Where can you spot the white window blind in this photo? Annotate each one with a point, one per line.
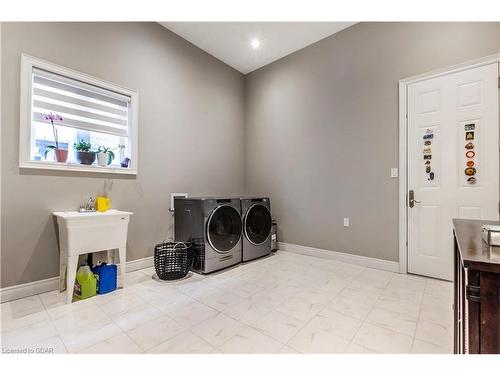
(81, 105)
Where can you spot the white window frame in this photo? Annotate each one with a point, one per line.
(25, 129)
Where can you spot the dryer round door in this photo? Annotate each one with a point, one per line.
(257, 224)
(224, 228)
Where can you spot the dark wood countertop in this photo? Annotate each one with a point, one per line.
(475, 253)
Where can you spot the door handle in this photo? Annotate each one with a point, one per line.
(411, 199)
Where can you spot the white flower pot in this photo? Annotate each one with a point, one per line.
(102, 159)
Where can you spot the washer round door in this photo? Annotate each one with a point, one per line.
(224, 228)
(258, 223)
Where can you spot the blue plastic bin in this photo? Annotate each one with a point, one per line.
(106, 275)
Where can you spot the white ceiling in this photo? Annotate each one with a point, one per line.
(230, 41)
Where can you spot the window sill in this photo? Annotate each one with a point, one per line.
(73, 167)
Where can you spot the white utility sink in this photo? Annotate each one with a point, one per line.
(89, 232)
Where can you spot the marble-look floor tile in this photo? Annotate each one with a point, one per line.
(10, 324)
(438, 301)
(401, 292)
(52, 345)
(312, 339)
(79, 317)
(287, 350)
(382, 340)
(353, 307)
(279, 326)
(325, 334)
(250, 341)
(27, 335)
(422, 347)
(192, 314)
(282, 303)
(268, 298)
(171, 302)
(247, 312)
(85, 336)
(218, 329)
(435, 333)
(183, 343)
(131, 318)
(221, 300)
(400, 306)
(399, 322)
(22, 307)
(119, 344)
(154, 332)
(358, 349)
(439, 287)
(121, 303)
(299, 308)
(436, 314)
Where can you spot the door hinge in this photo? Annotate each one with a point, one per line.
(472, 293)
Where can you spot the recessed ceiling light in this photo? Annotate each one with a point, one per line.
(255, 43)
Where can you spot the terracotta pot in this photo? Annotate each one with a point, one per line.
(85, 157)
(61, 155)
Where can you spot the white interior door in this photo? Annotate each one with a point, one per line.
(453, 162)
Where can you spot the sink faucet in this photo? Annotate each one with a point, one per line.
(89, 206)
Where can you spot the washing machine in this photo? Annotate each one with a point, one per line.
(214, 228)
(257, 222)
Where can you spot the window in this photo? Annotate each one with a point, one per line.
(82, 108)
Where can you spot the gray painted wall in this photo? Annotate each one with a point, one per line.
(187, 100)
(322, 129)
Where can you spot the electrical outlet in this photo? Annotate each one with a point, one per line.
(346, 221)
(394, 173)
(172, 196)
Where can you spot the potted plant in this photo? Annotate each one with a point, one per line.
(106, 155)
(61, 155)
(83, 154)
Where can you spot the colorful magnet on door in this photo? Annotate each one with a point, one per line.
(427, 157)
(428, 136)
(470, 171)
(469, 136)
(427, 143)
(431, 176)
(469, 146)
(470, 126)
(427, 162)
(471, 180)
(470, 154)
(428, 169)
(427, 150)
(470, 163)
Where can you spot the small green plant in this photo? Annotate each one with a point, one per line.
(110, 151)
(81, 145)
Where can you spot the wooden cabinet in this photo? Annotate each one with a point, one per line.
(477, 290)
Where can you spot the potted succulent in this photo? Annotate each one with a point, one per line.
(61, 155)
(83, 154)
(106, 155)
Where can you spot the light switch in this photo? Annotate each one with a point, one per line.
(394, 173)
(346, 221)
(172, 196)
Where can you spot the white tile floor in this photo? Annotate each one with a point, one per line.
(285, 303)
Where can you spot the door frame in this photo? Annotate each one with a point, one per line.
(403, 143)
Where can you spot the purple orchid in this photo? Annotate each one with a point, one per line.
(54, 117)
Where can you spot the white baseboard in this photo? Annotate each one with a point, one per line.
(11, 293)
(380, 264)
